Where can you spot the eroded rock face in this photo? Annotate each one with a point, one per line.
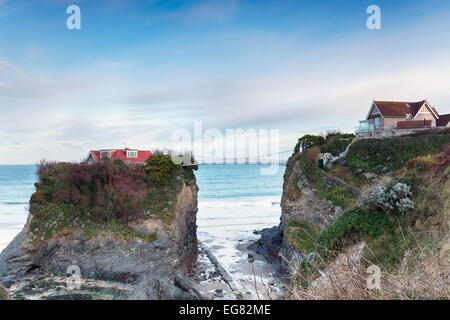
(108, 258)
(186, 222)
(300, 203)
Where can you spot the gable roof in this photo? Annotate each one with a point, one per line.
(414, 124)
(443, 120)
(398, 109)
(122, 155)
(95, 154)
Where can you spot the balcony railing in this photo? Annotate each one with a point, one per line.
(367, 125)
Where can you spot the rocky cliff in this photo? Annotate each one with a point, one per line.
(320, 213)
(145, 253)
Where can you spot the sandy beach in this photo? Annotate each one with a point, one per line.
(7, 234)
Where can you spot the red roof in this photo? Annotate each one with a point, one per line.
(443, 120)
(122, 155)
(399, 109)
(413, 124)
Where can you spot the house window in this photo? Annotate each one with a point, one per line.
(408, 117)
(371, 135)
(132, 154)
(377, 123)
(383, 133)
(361, 136)
(105, 154)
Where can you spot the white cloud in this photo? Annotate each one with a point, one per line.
(60, 115)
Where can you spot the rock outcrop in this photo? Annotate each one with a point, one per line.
(150, 266)
(299, 203)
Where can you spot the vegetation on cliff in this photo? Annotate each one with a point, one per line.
(334, 142)
(3, 294)
(407, 216)
(327, 186)
(105, 195)
(392, 154)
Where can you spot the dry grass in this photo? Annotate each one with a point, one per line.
(3, 294)
(422, 275)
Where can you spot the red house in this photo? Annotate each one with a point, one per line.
(133, 156)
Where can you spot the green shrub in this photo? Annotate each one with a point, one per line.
(160, 168)
(339, 195)
(152, 237)
(385, 236)
(39, 197)
(336, 143)
(326, 189)
(308, 141)
(302, 235)
(394, 198)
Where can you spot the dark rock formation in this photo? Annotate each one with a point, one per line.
(269, 245)
(150, 266)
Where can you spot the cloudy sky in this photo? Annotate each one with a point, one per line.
(138, 70)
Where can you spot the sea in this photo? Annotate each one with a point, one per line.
(234, 203)
(16, 187)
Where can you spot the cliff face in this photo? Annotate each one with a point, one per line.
(320, 212)
(186, 222)
(304, 211)
(153, 249)
(299, 201)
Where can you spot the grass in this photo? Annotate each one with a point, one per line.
(423, 277)
(393, 153)
(152, 237)
(337, 194)
(405, 246)
(382, 233)
(389, 236)
(302, 235)
(345, 174)
(3, 294)
(327, 187)
(57, 219)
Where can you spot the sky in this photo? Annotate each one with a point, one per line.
(139, 70)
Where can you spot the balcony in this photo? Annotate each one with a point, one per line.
(370, 125)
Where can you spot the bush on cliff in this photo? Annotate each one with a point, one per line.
(382, 233)
(72, 194)
(160, 168)
(308, 141)
(336, 143)
(389, 236)
(388, 200)
(327, 187)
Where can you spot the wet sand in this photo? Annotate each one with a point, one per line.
(253, 281)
